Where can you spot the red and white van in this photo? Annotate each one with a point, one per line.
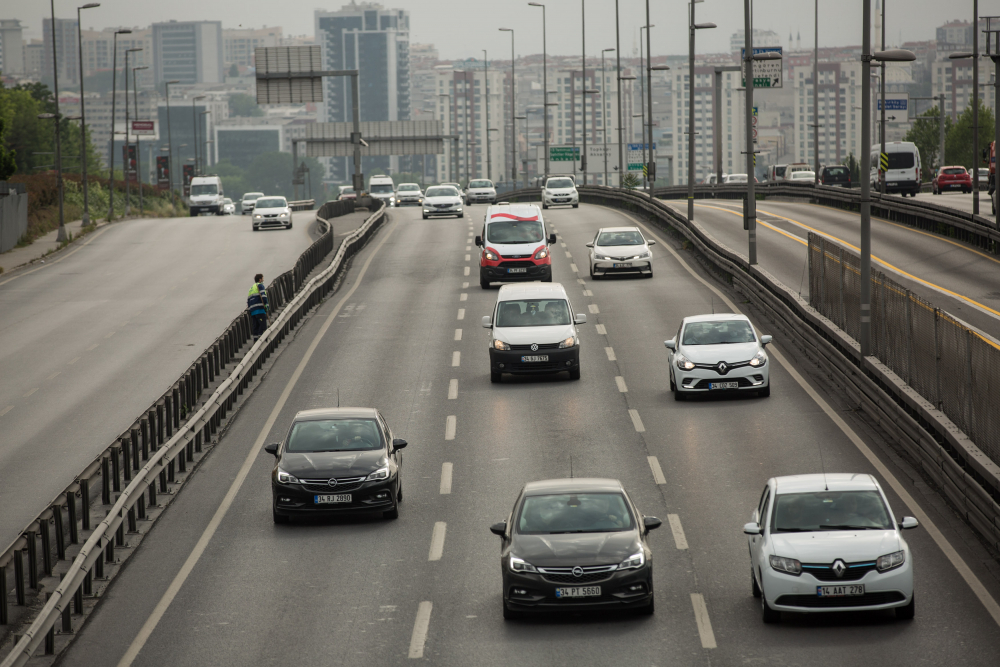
(514, 245)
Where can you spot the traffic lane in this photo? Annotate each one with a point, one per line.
(960, 201)
(341, 574)
(717, 454)
(89, 342)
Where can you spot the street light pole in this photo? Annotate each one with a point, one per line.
(194, 121)
(83, 115)
(128, 140)
(604, 112)
(111, 160)
(61, 237)
(171, 163)
(975, 107)
(995, 57)
(204, 155)
(651, 163)
(881, 131)
(486, 86)
(513, 110)
(545, 86)
(453, 130)
(642, 107)
(692, 27)
(816, 94)
(583, 87)
(138, 143)
(748, 60)
(618, 76)
(526, 144)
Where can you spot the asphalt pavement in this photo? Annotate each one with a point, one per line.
(403, 335)
(960, 201)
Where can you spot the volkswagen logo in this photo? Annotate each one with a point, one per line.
(839, 568)
(534, 347)
(332, 482)
(722, 367)
(577, 571)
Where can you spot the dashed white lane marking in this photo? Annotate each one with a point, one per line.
(654, 465)
(563, 244)
(449, 427)
(30, 392)
(587, 292)
(93, 347)
(580, 280)
(461, 313)
(572, 267)
(465, 285)
(468, 257)
(52, 377)
(73, 361)
(620, 381)
(610, 351)
(437, 541)
(593, 308)
(109, 335)
(464, 296)
(466, 272)
(701, 618)
(599, 328)
(458, 334)
(675, 527)
(6, 410)
(420, 627)
(456, 358)
(569, 255)
(445, 478)
(468, 248)
(453, 388)
(636, 420)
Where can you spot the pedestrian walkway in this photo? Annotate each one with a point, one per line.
(37, 251)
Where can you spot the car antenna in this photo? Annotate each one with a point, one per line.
(713, 304)
(822, 466)
(338, 397)
(571, 466)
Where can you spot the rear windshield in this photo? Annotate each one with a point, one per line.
(555, 183)
(829, 510)
(780, 171)
(514, 231)
(205, 189)
(901, 160)
(574, 513)
(619, 238)
(835, 171)
(954, 170)
(442, 192)
(481, 184)
(533, 313)
(718, 333)
(334, 435)
(271, 203)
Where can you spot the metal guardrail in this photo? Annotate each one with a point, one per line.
(335, 208)
(161, 440)
(302, 205)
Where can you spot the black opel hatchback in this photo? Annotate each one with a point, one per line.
(337, 460)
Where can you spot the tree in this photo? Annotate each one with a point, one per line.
(925, 133)
(958, 148)
(855, 168)
(8, 165)
(630, 181)
(241, 104)
(234, 71)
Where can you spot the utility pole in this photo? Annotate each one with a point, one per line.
(83, 114)
(114, 83)
(583, 85)
(650, 164)
(618, 76)
(61, 237)
(815, 96)
(545, 86)
(881, 132)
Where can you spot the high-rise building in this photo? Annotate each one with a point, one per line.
(761, 38)
(731, 106)
(188, 51)
(66, 49)
(238, 45)
(99, 46)
(953, 78)
(375, 41)
(11, 47)
(464, 113)
(34, 58)
(839, 113)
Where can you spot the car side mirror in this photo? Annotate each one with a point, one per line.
(580, 319)
(650, 241)
(398, 443)
(552, 239)
(272, 449)
(908, 522)
(499, 528)
(479, 240)
(752, 528)
(670, 344)
(651, 523)
(590, 245)
(765, 339)
(487, 322)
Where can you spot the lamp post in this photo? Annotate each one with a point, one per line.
(61, 238)
(692, 28)
(55, 96)
(995, 57)
(545, 86)
(816, 90)
(128, 140)
(194, 121)
(618, 73)
(138, 143)
(486, 86)
(513, 110)
(83, 114)
(622, 166)
(583, 87)
(111, 161)
(604, 112)
(642, 108)
(170, 143)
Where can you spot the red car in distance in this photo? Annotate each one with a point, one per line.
(951, 178)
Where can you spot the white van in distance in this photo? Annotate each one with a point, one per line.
(206, 195)
(903, 174)
(382, 187)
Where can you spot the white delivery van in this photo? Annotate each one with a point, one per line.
(206, 195)
(382, 187)
(903, 174)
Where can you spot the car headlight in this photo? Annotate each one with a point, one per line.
(381, 473)
(569, 342)
(786, 565)
(645, 255)
(285, 478)
(633, 562)
(283, 215)
(500, 345)
(601, 257)
(257, 216)
(683, 362)
(542, 254)
(890, 561)
(490, 256)
(518, 565)
(759, 359)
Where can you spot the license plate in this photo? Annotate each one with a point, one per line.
(339, 498)
(625, 265)
(840, 591)
(537, 357)
(520, 270)
(723, 385)
(579, 592)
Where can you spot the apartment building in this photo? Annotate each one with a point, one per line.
(238, 44)
(731, 106)
(465, 96)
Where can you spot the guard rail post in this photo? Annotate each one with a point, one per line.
(85, 503)
(60, 538)
(176, 393)
(126, 460)
(43, 527)
(4, 614)
(140, 505)
(133, 436)
(168, 416)
(105, 482)
(119, 533)
(18, 578)
(31, 537)
(71, 512)
(160, 432)
(116, 484)
(152, 493)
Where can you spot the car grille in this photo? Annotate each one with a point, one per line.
(854, 571)
(270, 215)
(729, 366)
(323, 485)
(741, 382)
(514, 265)
(541, 346)
(515, 256)
(445, 205)
(564, 575)
(816, 602)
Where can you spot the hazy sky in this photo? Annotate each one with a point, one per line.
(462, 28)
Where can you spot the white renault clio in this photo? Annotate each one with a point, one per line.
(716, 354)
(828, 542)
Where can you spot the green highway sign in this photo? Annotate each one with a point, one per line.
(564, 153)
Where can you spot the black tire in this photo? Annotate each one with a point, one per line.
(256, 229)
(574, 373)
(485, 284)
(544, 206)
(193, 214)
(648, 275)
(496, 377)
(288, 226)
(767, 614)
(509, 614)
(576, 206)
(673, 387)
(280, 518)
(766, 391)
(906, 613)
(424, 216)
(547, 280)
(678, 394)
(399, 493)
(754, 588)
(391, 514)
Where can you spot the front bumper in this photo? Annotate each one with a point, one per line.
(607, 267)
(509, 361)
(883, 590)
(500, 274)
(627, 589)
(566, 200)
(298, 500)
(481, 198)
(198, 209)
(272, 223)
(414, 201)
(451, 210)
(698, 380)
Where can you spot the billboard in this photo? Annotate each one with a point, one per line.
(144, 128)
(163, 172)
(128, 159)
(287, 74)
(188, 173)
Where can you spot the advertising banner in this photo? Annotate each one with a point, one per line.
(163, 172)
(144, 127)
(129, 160)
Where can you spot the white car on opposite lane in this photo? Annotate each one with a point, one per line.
(271, 213)
(481, 191)
(247, 202)
(620, 250)
(442, 200)
(717, 354)
(828, 542)
(560, 191)
(408, 193)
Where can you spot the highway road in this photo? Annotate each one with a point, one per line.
(217, 582)
(90, 338)
(960, 201)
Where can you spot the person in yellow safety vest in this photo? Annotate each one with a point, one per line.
(257, 306)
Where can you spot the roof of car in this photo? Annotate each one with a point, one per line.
(334, 413)
(834, 481)
(617, 229)
(515, 209)
(531, 291)
(570, 485)
(716, 317)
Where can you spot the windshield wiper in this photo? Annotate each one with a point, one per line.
(794, 530)
(847, 526)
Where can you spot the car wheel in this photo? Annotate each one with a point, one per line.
(544, 205)
(649, 275)
(754, 588)
(391, 514)
(547, 280)
(495, 377)
(907, 612)
(485, 284)
(280, 518)
(678, 394)
(508, 613)
(576, 206)
(288, 226)
(425, 216)
(256, 229)
(769, 615)
(574, 373)
(673, 387)
(766, 391)
(399, 492)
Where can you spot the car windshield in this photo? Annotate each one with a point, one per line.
(409, 187)
(253, 196)
(954, 170)
(381, 189)
(481, 184)
(533, 313)
(829, 510)
(227, 200)
(900, 160)
(574, 513)
(556, 183)
(334, 435)
(718, 333)
(619, 238)
(205, 189)
(442, 192)
(347, 191)
(514, 231)
(274, 202)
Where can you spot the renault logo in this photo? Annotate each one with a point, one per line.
(534, 347)
(577, 571)
(839, 568)
(332, 482)
(722, 368)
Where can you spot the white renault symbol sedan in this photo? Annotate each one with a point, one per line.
(271, 212)
(620, 250)
(715, 354)
(828, 542)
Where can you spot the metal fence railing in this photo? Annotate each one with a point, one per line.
(950, 363)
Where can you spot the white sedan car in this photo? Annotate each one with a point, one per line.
(443, 200)
(271, 212)
(715, 354)
(620, 250)
(408, 193)
(481, 191)
(560, 191)
(828, 542)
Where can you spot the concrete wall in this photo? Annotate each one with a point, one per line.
(13, 219)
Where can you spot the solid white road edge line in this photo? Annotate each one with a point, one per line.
(220, 513)
(445, 478)
(675, 527)
(437, 541)
(449, 427)
(654, 465)
(420, 627)
(701, 618)
(949, 551)
(453, 389)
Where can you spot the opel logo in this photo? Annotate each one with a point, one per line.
(577, 571)
(839, 568)
(534, 347)
(722, 367)
(332, 482)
